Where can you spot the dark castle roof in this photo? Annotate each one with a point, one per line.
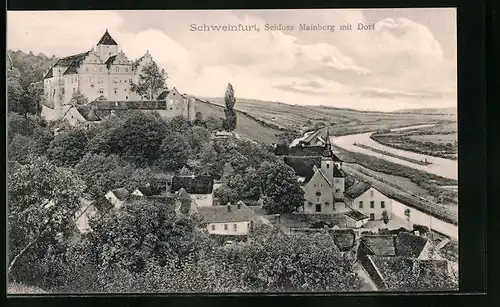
(110, 61)
(193, 184)
(73, 62)
(357, 189)
(106, 39)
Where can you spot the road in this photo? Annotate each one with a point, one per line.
(441, 167)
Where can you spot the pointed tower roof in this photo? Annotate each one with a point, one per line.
(327, 141)
(106, 39)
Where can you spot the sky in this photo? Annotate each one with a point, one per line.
(408, 59)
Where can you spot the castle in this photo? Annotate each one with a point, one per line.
(104, 75)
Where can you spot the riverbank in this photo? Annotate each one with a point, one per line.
(393, 155)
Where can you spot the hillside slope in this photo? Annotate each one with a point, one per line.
(245, 126)
(342, 121)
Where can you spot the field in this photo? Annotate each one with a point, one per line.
(438, 141)
(341, 121)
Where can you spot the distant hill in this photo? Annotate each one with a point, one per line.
(430, 111)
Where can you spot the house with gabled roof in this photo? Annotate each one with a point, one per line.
(366, 199)
(200, 188)
(355, 219)
(232, 220)
(117, 197)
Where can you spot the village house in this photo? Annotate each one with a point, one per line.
(355, 219)
(117, 197)
(232, 220)
(199, 188)
(105, 74)
(367, 200)
(143, 191)
(318, 171)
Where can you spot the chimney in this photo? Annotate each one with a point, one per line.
(228, 207)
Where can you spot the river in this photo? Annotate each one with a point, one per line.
(441, 167)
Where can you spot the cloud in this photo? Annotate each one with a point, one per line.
(400, 58)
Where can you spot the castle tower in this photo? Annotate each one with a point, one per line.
(106, 47)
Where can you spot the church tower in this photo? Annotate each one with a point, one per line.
(106, 47)
(327, 164)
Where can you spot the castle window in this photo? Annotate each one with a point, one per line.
(336, 181)
(101, 91)
(318, 193)
(382, 204)
(372, 204)
(328, 165)
(361, 204)
(117, 68)
(116, 91)
(100, 80)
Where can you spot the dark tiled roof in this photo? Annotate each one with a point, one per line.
(49, 74)
(110, 61)
(394, 271)
(379, 245)
(306, 151)
(73, 62)
(126, 105)
(88, 112)
(221, 214)
(356, 215)
(337, 173)
(408, 245)
(357, 189)
(311, 136)
(303, 166)
(106, 39)
(193, 184)
(163, 95)
(344, 239)
(335, 158)
(121, 193)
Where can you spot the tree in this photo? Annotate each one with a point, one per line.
(407, 214)
(68, 147)
(198, 120)
(213, 123)
(230, 120)
(184, 171)
(33, 98)
(174, 152)
(42, 202)
(103, 173)
(21, 148)
(78, 99)
(198, 137)
(385, 217)
(142, 232)
(281, 189)
(151, 81)
(14, 91)
(137, 138)
(178, 124)
(287, 137)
